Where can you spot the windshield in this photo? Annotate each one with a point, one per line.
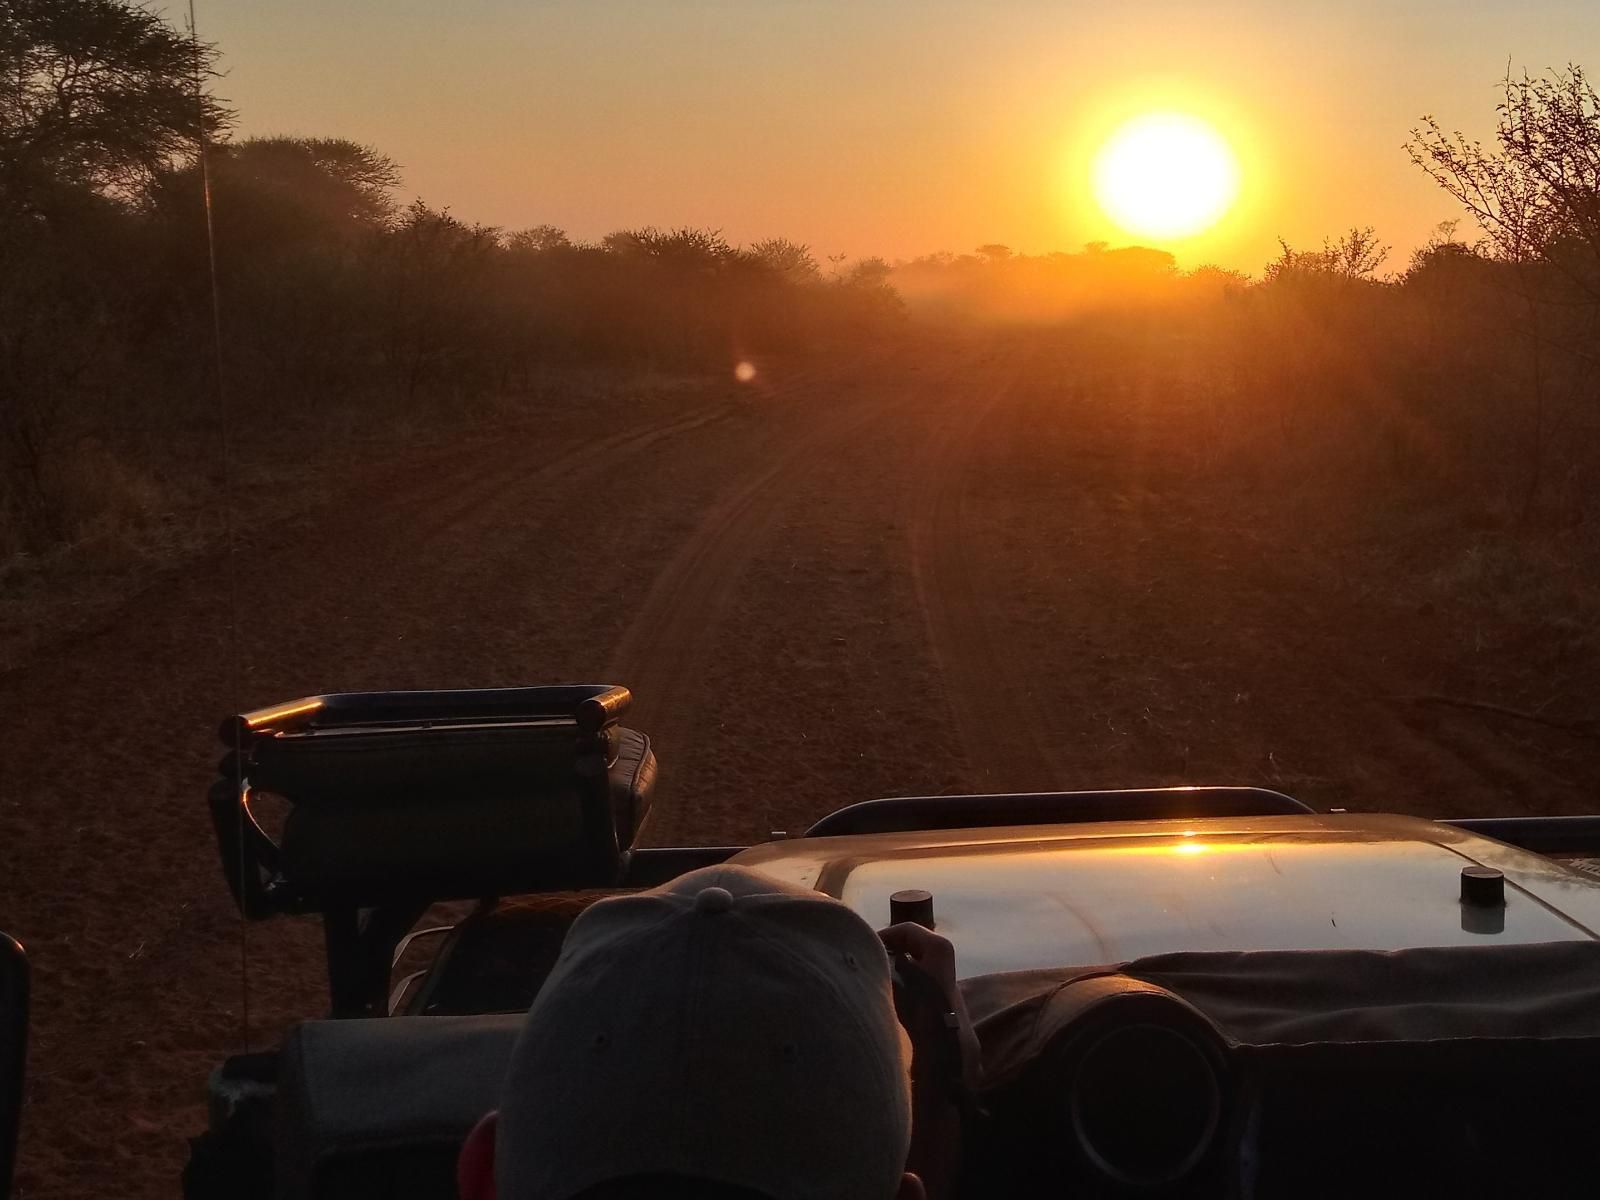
(898, 399)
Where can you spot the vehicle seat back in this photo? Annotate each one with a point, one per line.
(380, 1107)
(400, 798)
(439, 816)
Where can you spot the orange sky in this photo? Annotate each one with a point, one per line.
(890, 128)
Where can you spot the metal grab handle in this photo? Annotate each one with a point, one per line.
(592, 705)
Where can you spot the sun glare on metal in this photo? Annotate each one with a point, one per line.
(745, 372)
(1166, 175)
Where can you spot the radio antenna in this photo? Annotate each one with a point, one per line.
(225, 452)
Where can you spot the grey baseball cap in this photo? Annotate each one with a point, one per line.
(726, 1026)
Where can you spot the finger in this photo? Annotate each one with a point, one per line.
(908, 938)
(928, 950)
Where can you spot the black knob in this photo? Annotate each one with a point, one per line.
(1482, 887)
(912, 904)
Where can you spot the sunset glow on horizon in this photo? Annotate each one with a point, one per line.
(891, 128)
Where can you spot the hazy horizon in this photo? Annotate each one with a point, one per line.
(885, 128)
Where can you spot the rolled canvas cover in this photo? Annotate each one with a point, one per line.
(1350, 1072)
(1307, 997)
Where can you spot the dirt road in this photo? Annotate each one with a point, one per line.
(948, 568)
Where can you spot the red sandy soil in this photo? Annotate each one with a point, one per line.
(950, 568)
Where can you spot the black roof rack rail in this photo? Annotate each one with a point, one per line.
(1543, 835)
(592, 706)
(897, 814)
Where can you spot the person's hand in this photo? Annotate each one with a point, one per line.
(936, 957)
(931, 952)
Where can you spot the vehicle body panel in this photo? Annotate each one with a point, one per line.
(1044, 896)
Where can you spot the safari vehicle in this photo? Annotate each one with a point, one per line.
(1193, 991)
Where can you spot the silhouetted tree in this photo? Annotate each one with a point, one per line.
(315, 186)
(1354, 256)
(1357, 254)
(96, 98)
(94, 95)
(690, 251)
(790, 261)
(1537, 193)
(431, 271)
(1536, 196)
(539, 239)
(1218, 282)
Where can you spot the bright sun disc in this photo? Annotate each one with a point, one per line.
(1166, 175)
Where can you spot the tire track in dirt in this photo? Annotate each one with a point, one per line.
(496, 521)
(482, 493)
(676, 627)
(489, 520)
(985, 688)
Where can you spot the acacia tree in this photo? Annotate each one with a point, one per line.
(1356, 255)
(790, 261)
(1536, 196)
(96, 98)
(295, 219)
(95, 95)
(538, 239)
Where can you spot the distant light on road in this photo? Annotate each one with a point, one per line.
(745, 372)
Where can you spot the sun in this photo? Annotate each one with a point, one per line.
(1166, 175)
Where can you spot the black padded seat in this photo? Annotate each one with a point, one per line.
(497, 959)
(632, 774)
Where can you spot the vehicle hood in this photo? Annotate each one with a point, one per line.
(1043, 896)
